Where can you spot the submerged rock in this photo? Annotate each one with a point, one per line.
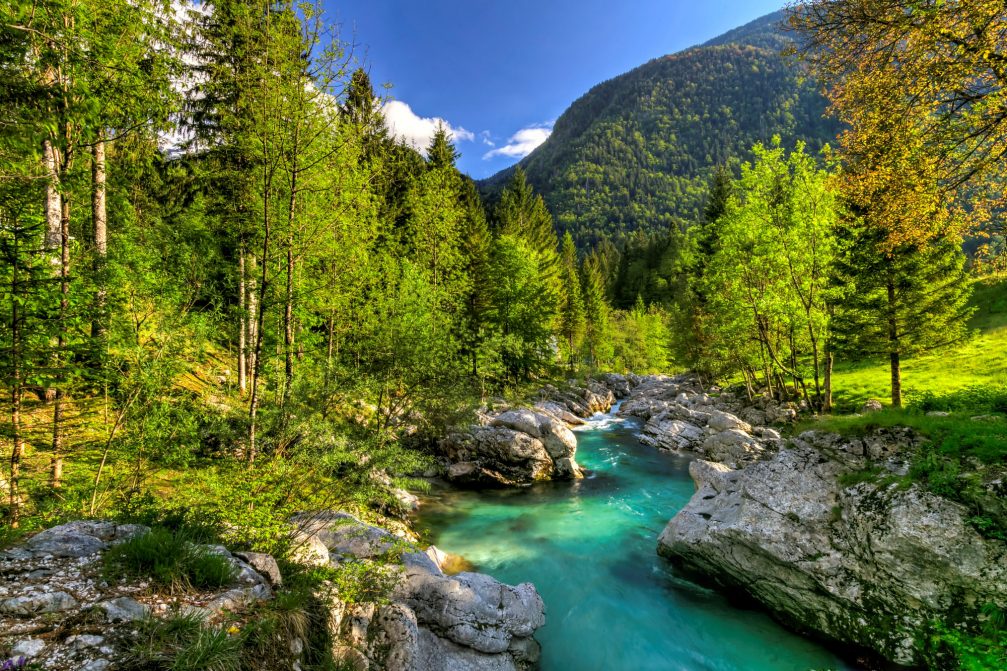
(869, 564)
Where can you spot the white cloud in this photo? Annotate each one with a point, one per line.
(522, 142)
(487, 138)
(418, 131)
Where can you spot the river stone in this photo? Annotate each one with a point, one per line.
(865, 564)
(559, 412)
(32, 604)
(732, 447)
(671, 434)
(473, 609)
(719, 420)
(521, 419)
(123, 609)
(29, 647)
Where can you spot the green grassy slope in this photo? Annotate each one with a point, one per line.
(981, 361)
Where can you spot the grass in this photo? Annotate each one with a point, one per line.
(981, 361)
(184, 643)
(170, 560)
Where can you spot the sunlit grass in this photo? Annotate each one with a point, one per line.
(981, 361)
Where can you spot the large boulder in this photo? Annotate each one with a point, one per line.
(519, 446)
(431, 621)
(869, 564)
(498, 455)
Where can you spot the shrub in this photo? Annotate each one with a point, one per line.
(169, 559)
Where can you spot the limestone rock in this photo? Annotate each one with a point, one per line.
(671, 434)
(123, 609)
(265, 565)
(80, 539)
(866, 564)
(38, 602)
(724, 421)
(29, 647)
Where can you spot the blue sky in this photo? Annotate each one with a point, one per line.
(500, 71)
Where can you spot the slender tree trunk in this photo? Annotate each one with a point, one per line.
(253, 312)
(288, 309)
(893, 341)
(829, 360)
(896, 380)
(242, 324)
(253, 405)
(53, 199)
(100, 219)
(17, 451)
(56, 474)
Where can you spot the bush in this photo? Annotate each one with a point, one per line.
(171, 560)
(974, 399)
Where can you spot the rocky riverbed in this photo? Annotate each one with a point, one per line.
(59, 611)
(869, 564)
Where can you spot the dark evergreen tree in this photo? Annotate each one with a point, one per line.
(898, 302)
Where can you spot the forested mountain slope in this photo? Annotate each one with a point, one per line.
(635, 152)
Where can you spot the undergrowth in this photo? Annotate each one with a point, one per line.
(171, 560)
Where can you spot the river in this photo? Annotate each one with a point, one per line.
(590, 548)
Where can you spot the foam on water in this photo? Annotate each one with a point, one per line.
(589, 546)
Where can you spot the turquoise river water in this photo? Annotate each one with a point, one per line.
(590, 548)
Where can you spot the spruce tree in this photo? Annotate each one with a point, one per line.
(900, 301)
(571, 311)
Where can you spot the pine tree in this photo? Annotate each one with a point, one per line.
(571, 310)
(906, 301)
(441, 153)
(597, 334)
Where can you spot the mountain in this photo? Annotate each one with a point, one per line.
(635, 152)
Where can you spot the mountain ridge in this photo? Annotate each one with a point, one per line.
(635, 151)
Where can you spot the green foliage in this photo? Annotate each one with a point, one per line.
(960, 649)
(170, 560)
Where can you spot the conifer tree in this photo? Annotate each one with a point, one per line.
(597, 335)
(571, 310)
(899, 302)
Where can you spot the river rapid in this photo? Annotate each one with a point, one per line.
(589, 547)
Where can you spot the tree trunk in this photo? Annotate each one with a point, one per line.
(893, 341)
(829, 360)
(288, 308)
(53, 200)
(56, 474)
(253, 313)
(242, 324)
(896, 380)
(17, 451)
(100, 219)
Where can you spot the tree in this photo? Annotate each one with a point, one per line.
(899, 302)
(597, 313)
(571, 309)
(521, 308)
(936, 69)
(766, 284)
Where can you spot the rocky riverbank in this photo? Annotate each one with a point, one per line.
(791, 525)
(521, 445)
(60, 610)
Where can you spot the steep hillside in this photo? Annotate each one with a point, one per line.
(635, 151)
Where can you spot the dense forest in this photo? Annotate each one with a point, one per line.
(635, 152)
(212, 246)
